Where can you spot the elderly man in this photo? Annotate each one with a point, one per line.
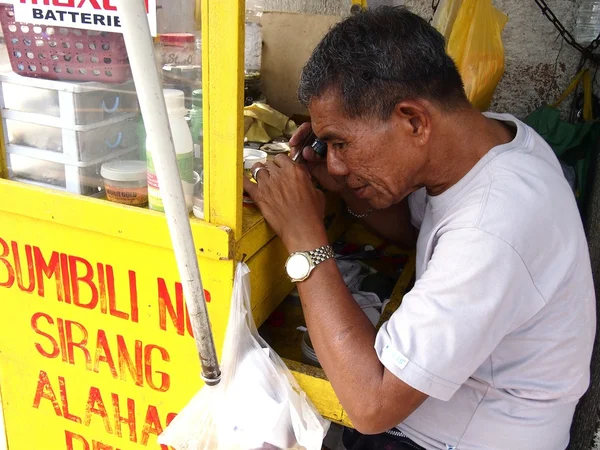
(491, 348)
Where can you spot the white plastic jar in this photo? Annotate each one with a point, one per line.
(125, 182)
(251, 157)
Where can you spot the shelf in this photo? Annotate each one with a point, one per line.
(256, 233)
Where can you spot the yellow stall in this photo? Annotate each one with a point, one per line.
(96, 351)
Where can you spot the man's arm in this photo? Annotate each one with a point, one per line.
(392, 223)
(343, 337)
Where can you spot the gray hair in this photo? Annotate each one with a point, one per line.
(378, 58)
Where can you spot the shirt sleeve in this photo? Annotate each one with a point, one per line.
(475, 290)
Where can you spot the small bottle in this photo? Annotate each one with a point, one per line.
(178, 49)
(253, 37)
(196, 125)
(587, 26)
(184, 149)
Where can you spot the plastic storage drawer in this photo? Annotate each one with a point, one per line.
(79, 178)
(80, 143)
(71, 103)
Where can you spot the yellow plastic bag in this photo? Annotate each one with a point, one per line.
(445, 16)
(475, 44)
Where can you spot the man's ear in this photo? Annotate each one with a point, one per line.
(415, 119)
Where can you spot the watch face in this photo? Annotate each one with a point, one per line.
(298, 266)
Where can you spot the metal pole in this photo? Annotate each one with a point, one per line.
(140, 50)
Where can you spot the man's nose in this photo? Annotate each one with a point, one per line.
(335, 166)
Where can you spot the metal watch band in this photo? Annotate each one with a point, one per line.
(321, 254)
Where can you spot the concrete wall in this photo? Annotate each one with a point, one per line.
(539, 65)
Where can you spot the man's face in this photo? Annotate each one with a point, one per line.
(380, 160)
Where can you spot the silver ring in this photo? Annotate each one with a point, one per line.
(255, 172)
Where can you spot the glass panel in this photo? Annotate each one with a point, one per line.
(270, 76)
(69, 105)
(179, 59)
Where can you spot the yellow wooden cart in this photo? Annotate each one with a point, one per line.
(96, 351)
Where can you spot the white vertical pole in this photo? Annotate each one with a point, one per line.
(152, 103)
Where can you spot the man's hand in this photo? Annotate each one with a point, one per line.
(317, 166)
(290, 203)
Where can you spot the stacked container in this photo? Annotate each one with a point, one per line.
(58, 134)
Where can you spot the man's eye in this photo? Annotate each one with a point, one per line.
(338, 145)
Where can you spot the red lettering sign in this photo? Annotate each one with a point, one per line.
(44, 391)
(129, 420)
(77, 281)
(72, 341)
(105, 5)
(95, 405)
(10, 277)
(70, 437)
(178, 312)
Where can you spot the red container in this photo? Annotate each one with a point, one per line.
(66, 54)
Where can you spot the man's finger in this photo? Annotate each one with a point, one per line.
(258, 171)
(250, 188)
(301, 134)
(282, 160)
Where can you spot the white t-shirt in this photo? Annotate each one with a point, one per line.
(499, 327)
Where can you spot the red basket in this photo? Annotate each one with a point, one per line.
(67, 54)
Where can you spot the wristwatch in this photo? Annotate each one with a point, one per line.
(300, 264)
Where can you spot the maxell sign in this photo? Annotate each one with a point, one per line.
(98, 15)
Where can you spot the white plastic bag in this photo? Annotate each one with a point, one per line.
(258, 403)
